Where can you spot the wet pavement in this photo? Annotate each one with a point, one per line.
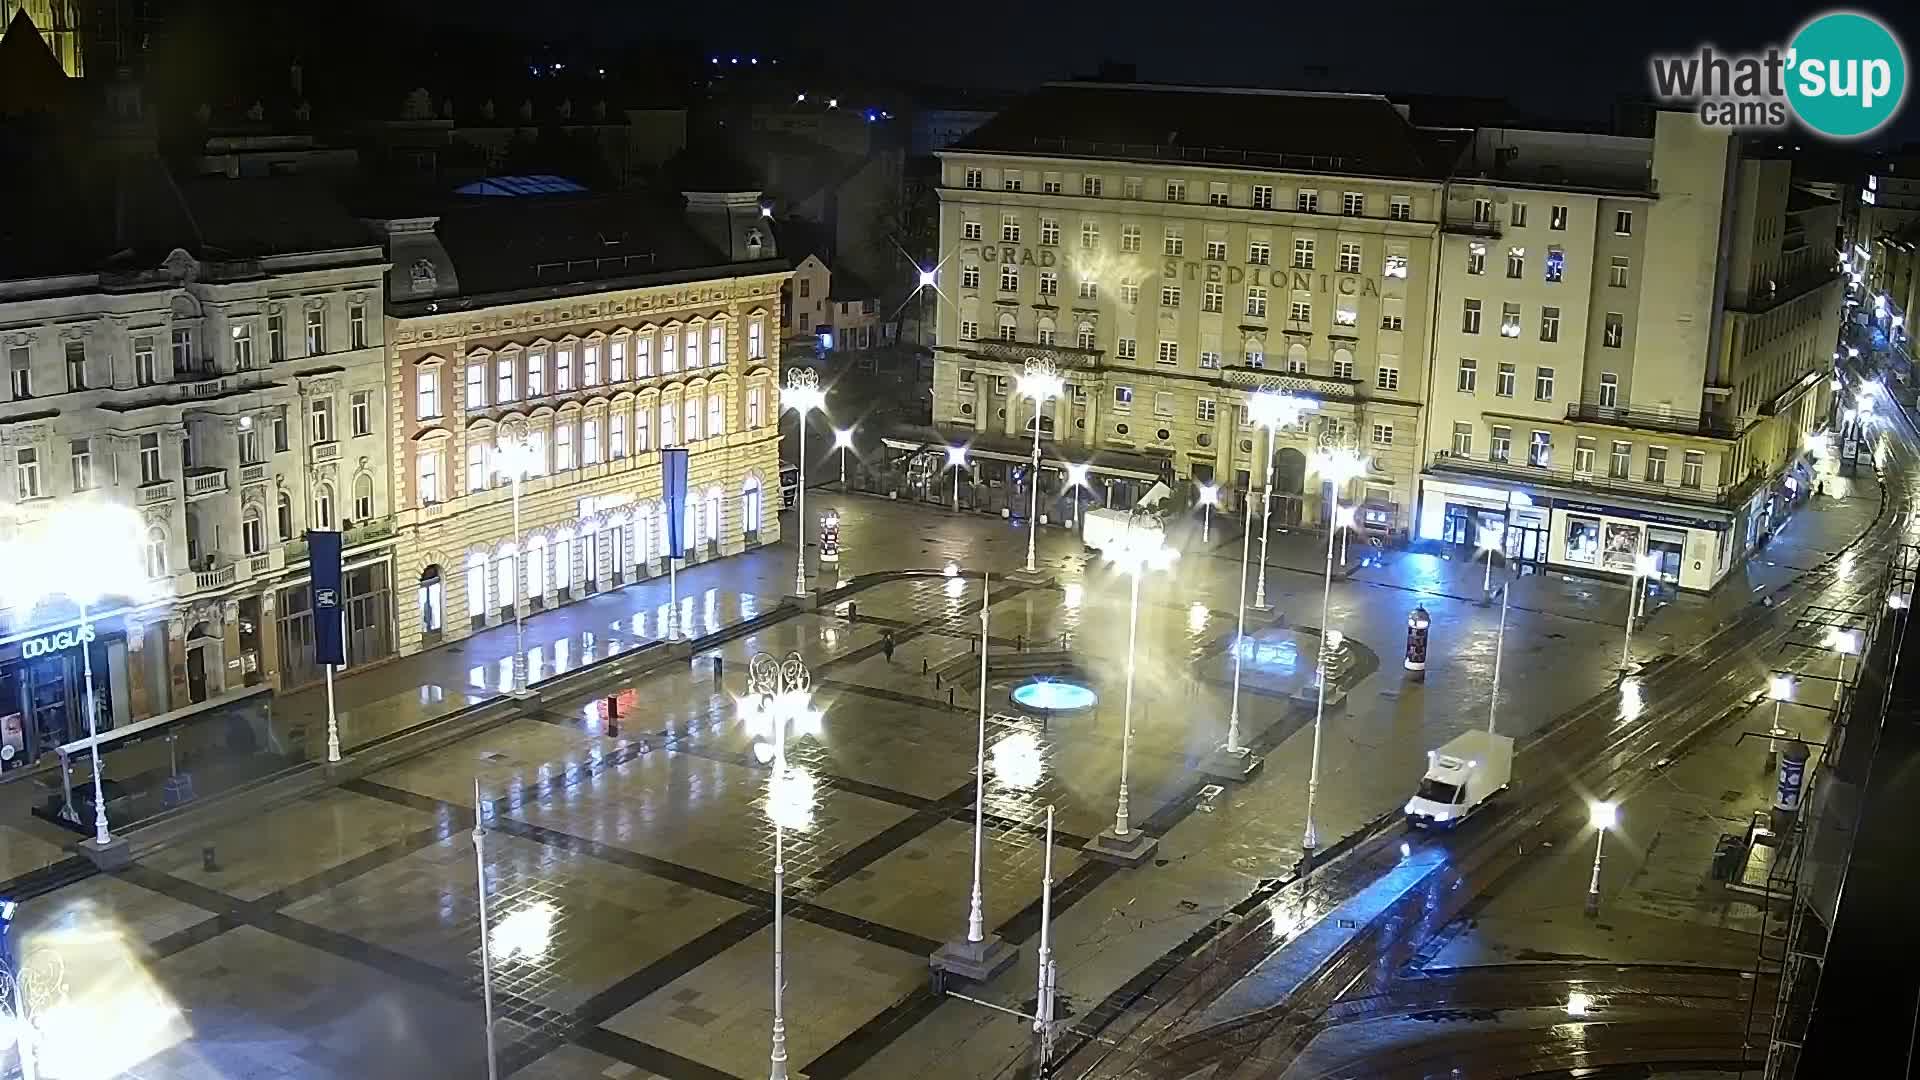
(628, 857)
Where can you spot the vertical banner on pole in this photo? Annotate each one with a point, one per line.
(673, 480)
(329, 646)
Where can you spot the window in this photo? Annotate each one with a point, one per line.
(1296, 362)
(617, 435)
(1617, 271)
(1045, 333)
(1504, 380)
(1483, 211)
(643, 356)
(643, 427)
(1174, 243)
(241, 342)
(282, 430)
(1543, 384)
(1204, 411)
(1383, 434)
(1260, 253)
(1216, 194)
(1123, 399)
(1091, 186)
(182, 351)
(1169, 296)
(76, 365)
(1214, 298)
(360, 412)
(1256, 302)
(1306, 202)
(1556, 265)
(1009, 278)
(1620, 461)
(316, 331)
(145, 371)
(973, 180)
(1353, 204)
(1519, 215)
(1303, 253)
(1615, 330)
(1086, 338)
(253, 530)
(1009, 230)
(320, 419)
(590, 361)
(1540, 450)
(1609, 390)
(1469, 375)
(1395, 265)
(1210, 359)
(1008, 331)
(276, 336)
(1470, 317)
(1163, 405)
(357, 325)
(1343, 364)
(970, 277)
(427, 387)
(970, 230)
(1623, 222)
(323, 506)
(1262, 197)
(283, 515)
(1557, 219)
(26, 473)
(1217, 250)
(1549, 324)
(1010, 181)
(1129, 291)
(249, 443)
(670, 424)
(1583, 455)
(150, 470)
(1510, 320)
(156, 552)
(1476, 259)
(1300, 311)
(1049, 283)
(1391, 321)
(1386, 378)
(1692, 464)
(1656, 464)
(756, 338)
(1129, 238)
(1345, 314)
(1049, 232)
(505, 367)
(1500, 447)
(969, 330)
(536, 373)
(1349, 258)
(1176, 191)
(427, 470)
(1400, 208)
(476, 466)
(691, 354)
(1126, 348)
(476, 384)
(1516, 262)
(1169, 352)
(1089, 235)
(1462, 440)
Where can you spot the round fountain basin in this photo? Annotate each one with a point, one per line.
(1054, 696)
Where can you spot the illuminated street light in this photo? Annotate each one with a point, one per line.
(843, 442)
(1344, 519)
(1209, 498)
(1844, 643)
(779, 695)
(87, 551)
(927, 278)
(1489, 543)
(1041, 382)
(1234, 761)
(1780, 688)
(956, 460)
(1076, 479)
(1338, 465)
(1603, 816)
(1499, 649)
(803, 395)
(1137, 551)
(1272, 411)
(1644, 567)
(516, 457)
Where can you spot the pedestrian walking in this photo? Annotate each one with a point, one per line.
(886, 646)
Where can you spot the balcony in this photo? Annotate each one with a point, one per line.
(364, 533)
(213, 576)
(1470, 227)
(1720, 497)
(322, 452)
(1705, 425)
(1325, 387)
(253, 474)
(160, 491)
(202, 482)
(1017, 352)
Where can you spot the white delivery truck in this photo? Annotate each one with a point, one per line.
(1461, 777)
(1102, 528)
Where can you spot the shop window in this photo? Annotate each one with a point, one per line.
(1583, 540)
(429, 596)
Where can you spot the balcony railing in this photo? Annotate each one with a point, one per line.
(1470, 227)
(364, 533)
(206, 481)
(1703, 424)
(198, 581)
(158, 492)
(1017, 352)
(324, 452)
(1319, 386)
(1723, 496)
(253, 474)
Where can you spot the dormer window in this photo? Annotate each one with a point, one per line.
(753, 243)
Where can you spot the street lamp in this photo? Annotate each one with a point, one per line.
(1136, 552)
(1338, 465)
(956, 460)
(1344, 519)
(1209, 498)
(516, 459)
(1237, 762)
(87, 551)
(843, 441)
(1272, 411)
(779, 695)
(1644, 567)
(1076, 479)
(803, 395)
(1844, 643)
(1489, 543)
(1499, 648)
(1780, 688)
(1604, 816)
(1042, 383)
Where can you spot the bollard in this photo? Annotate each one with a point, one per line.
(949, 697)
(923, 665)
(936, 680)
(207, 860)
(613, 706)
(716, 671)
(853, 611)
(1019, 643)
(973, 645)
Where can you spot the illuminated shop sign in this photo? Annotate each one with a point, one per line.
(57, 641)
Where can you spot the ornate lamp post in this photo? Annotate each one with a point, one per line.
(802, 395)
(516, 455)
(1272, 411)
(1042, 383)
(1338, 465)
(1136, 553)
(1232, 761)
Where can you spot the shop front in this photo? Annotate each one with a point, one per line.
(43, 687)
(367, 607)
(1690, 552)
(1463, 515)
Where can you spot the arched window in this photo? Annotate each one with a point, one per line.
(693, 417)
(1297, 359)
(283, 515)
(712, 518)
(363, 497)
(1087, 339)
(1045, 330)
(1256, 353)
(429, 596)
(1009, 328)
(669, 423)
(156, 552)
(323, 506)
(476, 586)
(253, 530)
(716, 414)
(750, 505)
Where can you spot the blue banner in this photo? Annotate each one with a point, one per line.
(673, 481)
(323, 550)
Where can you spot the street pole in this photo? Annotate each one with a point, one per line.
(1121, 827)
(1486, 583)
(1266, 510)
(1499, 649)
(1593, 884)
(976, 932)
(800, 550)
(778, 1059)
(1206, 522)
(1033, 488)
(1240, 635)
(1626, 643)
(101, 837)
(519, 581)
(1043, 999)
(333, 715)
(843, 468)
(486, 941)
(1311, 840)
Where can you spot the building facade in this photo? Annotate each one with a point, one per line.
(587, 368)
(1633, 348)
(1288, 242)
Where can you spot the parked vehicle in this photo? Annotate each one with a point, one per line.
(789, 485)
(1461, 776)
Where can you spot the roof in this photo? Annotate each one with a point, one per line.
(276, 215)
(31, 78)
(509, 186)
(1361, 134)
(1799, 199)
(846, 285)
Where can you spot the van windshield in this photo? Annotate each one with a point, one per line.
(1437, 791)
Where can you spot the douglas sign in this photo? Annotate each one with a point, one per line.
(55, 642)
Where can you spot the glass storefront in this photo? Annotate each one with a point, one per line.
(43, 696)
(367, 603)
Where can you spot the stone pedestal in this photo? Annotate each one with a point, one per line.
(805, 601)
(976, 961)
(1237, 767)
(116, 854)
(1038, 579)
(1130, 850)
